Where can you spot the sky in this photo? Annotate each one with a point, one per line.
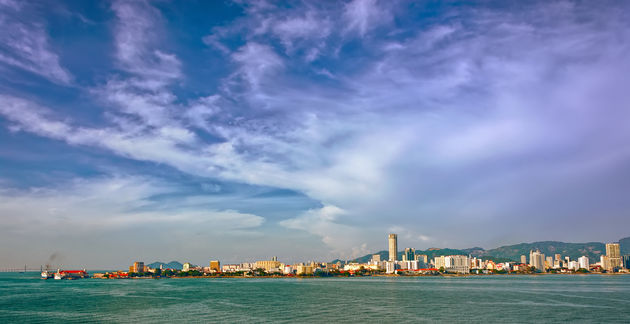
(308, 130)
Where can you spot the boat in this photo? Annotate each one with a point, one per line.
(70, 274)
(47, 274)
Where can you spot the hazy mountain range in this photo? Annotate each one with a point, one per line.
(513, 252)
(171, 265)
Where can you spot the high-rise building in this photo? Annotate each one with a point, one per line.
(583, 262)
(138, 267)
(422, 258)
(376, 258)
(548, 262)
(215, 265)
(537, 260)
(186, 266)
(439, 262)
(614, 256)
(604, 262)
(268, 265)
(557, 256)
(393, 247)
(625, 261)
(409, 255)
(523, 259)
(457, 263)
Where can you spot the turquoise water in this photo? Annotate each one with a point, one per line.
(25, 298)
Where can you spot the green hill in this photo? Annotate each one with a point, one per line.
(573, 250)
(171, 265)
(513, 252)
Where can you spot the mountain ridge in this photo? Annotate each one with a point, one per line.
(513, 252)
(170, 265)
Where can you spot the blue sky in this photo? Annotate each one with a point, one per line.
(160, 130)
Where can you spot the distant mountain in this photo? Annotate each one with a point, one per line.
(430, 254)
(513, 252)
(171, 265)
(592, 250)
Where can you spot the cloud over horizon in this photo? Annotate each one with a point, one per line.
(455, 125)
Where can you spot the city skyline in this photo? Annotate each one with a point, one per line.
(235, 130)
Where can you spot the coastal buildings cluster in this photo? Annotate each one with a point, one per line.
(410, 263)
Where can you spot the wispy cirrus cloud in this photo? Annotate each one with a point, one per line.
(25, 44)
(363, 15)
(477, 118)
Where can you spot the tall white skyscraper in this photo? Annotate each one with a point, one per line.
(583, 262)
(537, 260)
(393, 247)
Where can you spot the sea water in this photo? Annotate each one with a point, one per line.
(24, 298)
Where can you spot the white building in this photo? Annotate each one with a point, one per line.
(537, 260)
(453, 263)
(391, 266)
(574, 265)
(186, 266)
(583, 262)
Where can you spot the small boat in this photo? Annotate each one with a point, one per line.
(47, 274)
(70, 274)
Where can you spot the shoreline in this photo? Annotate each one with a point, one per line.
(378, 275)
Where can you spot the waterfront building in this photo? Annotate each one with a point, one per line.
(409, 255)
(248, 266)
(186, 266)
(391, 266)
(548, 262)
(603, 262)
(215, 265)
(625, 261)
(229, 268)
(268, 265)
(303, 269)
(454, 263)
(439, 262)
(614, 256)
(523, 259)
(476, 263)
(537, 260)
(393, 247)
(407, 265)
(376, 258)
(583, 262)
(288, 270)
(574, 265)
(137, 267)
(422, 258)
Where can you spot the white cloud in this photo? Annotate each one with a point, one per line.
(256, 62)
(342, 239)
(109, 204)
(425, 132)
(24, 43)
(136, 35)
(363, 15)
